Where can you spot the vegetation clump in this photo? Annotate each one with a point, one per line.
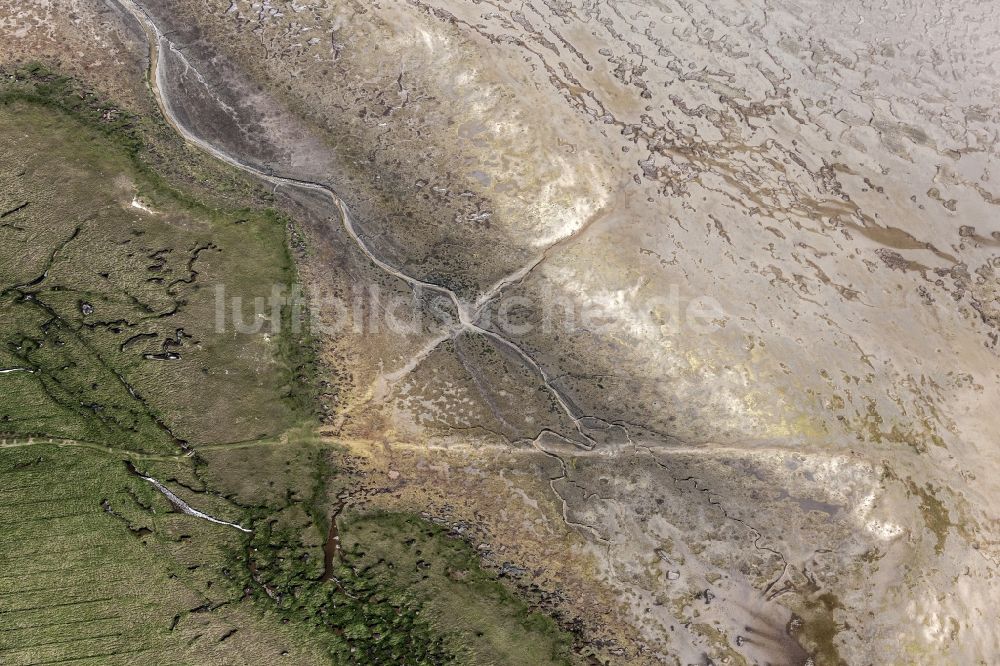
(363, 620)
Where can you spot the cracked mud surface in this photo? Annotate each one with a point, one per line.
(767, 435)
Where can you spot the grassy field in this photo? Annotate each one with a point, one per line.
(108, 311)
(98, 569)
(108, 335)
